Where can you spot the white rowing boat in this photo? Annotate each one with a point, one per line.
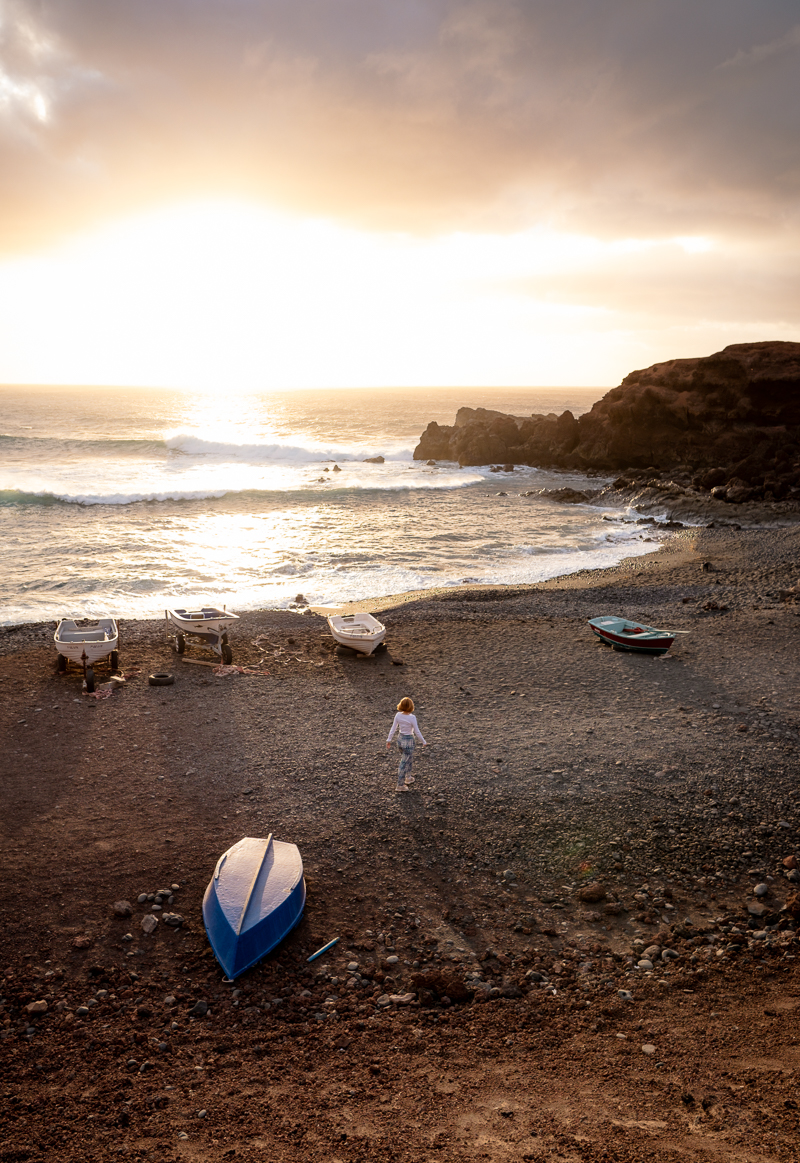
(360, 631)
(86, 645)
(208, 625)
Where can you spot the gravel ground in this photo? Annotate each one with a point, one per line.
(575, 940)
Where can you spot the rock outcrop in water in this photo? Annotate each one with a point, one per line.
(728, 422)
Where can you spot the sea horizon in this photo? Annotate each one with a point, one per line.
(129, 502)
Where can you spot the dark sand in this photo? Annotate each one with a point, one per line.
(554, 764)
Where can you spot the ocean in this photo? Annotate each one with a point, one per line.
(127, 501)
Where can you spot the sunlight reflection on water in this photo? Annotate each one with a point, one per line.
(173, 498)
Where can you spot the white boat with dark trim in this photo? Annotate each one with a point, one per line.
(360, 631)
(624, 634)
(86, 645)
(208, 625)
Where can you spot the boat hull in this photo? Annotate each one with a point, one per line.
(358, 632)
(623, 634)
(86, 643)
(359, 644)
(254, 899)
(208, 625)
(200, 622)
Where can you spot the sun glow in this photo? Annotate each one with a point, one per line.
(230, 296)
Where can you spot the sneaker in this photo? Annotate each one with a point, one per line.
(411, 779)
(401, 787)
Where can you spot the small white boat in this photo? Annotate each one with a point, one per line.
(209, 625)
(360, 632)
(86, 645)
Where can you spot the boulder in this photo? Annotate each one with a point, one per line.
(592, 893)
(565, 496)
(434, 984)
(792, 906)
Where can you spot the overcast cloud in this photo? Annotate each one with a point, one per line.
(652, 117)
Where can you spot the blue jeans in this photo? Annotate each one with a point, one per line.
(406, 743)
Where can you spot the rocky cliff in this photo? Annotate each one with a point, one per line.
(728, 422)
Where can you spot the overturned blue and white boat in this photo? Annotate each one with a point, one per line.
(255, 897)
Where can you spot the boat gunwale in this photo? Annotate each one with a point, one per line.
(221, 620)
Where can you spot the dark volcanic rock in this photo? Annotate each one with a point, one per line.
(592, 892)
(566, 496)
(738, 408)
(436, 983)
(732, 419)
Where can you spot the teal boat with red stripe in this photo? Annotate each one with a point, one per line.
(625, 634)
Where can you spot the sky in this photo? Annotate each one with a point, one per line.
(244, 194)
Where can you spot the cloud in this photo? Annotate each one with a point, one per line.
(425, 116)
(667, 284)
(762, 52)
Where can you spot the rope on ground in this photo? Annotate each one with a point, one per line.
(279, 654)
(223, 671)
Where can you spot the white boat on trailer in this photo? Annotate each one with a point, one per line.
(359, 631)
(86, 645)
(208, 625)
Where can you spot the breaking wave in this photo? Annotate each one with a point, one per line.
(277, 451)
(56, 495)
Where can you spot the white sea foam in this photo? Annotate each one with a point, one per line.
(22, 496)
(134, 498)
(279, 451)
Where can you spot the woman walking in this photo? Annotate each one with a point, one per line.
(405, 722)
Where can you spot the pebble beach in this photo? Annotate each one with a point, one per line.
(576, 939)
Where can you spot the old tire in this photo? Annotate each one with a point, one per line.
(180, 643)
(161, 679)
(62, 664)
(89, 680)
(227, 654)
